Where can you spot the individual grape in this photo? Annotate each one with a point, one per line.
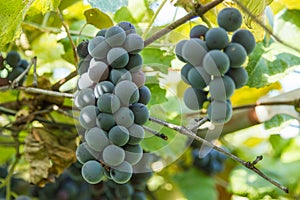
(138, 78)
(135, 63)
(96, 138)
(13, 58)
(236, 54)
(113, 155)
(138, 195)
(194, 98)
(216, 38)
(87, 117)
(230, 19)
(216, 63)
(140, 112)
(134, 43)
(117, 57)
(244, 38)
(145, 95)
(83, 153)
(23, 197)
(84, 65)
(23, 64)
(122, 173)
(108, 103)
(178, 50)
(98, 71)
(92, 172)
(133, 153)
(105, 121)
(82, 49)
(198, 31)
(103, 87)
(193, 51)
(221, 88)
(239, 76)
(219, 112)
(115, 36)
(124, 117)
(17, 71)
(101, 32)
(117, 75)
(136, 133)
(85, 97)
(184, 72)
(98, 47)
(118, 135)
(127, 27)
(127, 92)
(198, 78)
(124, 191)
(84, 81)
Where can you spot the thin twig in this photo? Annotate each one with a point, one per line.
(272, 103)
(250, 165)
(46, 92)
(15, 82)
(198, 124)
(57, 85)
(156, 133)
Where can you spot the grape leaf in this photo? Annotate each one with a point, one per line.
(108, 5)
(277, 121)
(97, 18)
(44, 6)
(279, 144)
(291, 4)
(123, 14)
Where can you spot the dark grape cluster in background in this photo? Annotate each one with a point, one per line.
(213, 66)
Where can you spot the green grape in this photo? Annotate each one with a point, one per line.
(138, 195)
(127, 92)
(87, 117)
(193, 51)
(239, 76)
(98, 71)
(216, 38)
(84, 81)
(230, 19)
(101, 32)
(105, 121)
(127, 27)
(198, 31)
(23, 64)
(113, 155)
(117, 75)
(135, 63)
(244, 38)
(115, 36)
(96, 138)
(136, 133)
(236, 54)
(133, 153)
(118, 135)
(221, 88)
(124, 191)
(184, 72)
(145, 95)
(82, 49)
(140, 112)
(178, 50)
(124, 117)
(122, 173)
(103, 87)
(17, 71)
(83, 153)
(138, 78)
(108, 103)
(194, 98)
(216, 63)
(84, 65)
(13, 58)
(134, 43)
(92, 172)
(85, 97)
(117, 57)
(198, 78)
(98, 47)
(219, 112)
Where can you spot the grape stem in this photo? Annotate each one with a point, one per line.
(156, 133)
(249, 165)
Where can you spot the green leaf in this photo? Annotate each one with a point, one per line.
(42, 6)
(279, 144)
(123, 14)
(277, 121)
(108, 5)
(158, 94)
(97, 18)
(195, 185)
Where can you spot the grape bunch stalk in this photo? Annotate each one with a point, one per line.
(213, 66)
(112, 99)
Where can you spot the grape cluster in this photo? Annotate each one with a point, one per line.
(112, 98)
(13, 65)
(213, 66)
(211, 164)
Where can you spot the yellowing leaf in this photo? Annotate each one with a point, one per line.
(253, 141)
(291, 4)
(97, 18)
(44, 6)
